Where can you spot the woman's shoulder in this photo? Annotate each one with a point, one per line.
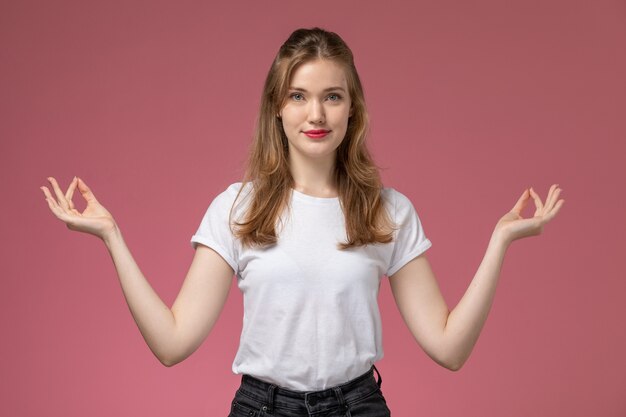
(397, 201)
(393, 196)
(235, 189)
(236, 186)
(235, 195)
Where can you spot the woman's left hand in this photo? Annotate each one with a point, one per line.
(513, 226)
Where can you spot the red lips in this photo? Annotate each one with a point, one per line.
(317, 133)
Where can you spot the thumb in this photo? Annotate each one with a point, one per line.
(521, 203)
(86, 191)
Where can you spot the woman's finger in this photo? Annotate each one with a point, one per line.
(86, 191)
(521, 203)
(61, 201)
(535, 197)
(553, 199)
(70, 192)
(54, 207)
(557, 207)
(552, 213)
(550, 200)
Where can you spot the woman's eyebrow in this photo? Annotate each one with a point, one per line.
(326, 89)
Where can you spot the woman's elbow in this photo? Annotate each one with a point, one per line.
(451, 363)
(454, 366)
(173, 359)
(169, 361)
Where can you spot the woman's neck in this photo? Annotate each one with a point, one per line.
(314, 177)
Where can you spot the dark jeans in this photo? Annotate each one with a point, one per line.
(360, 397)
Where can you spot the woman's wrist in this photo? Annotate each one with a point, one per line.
(111, 235)
(498, 238)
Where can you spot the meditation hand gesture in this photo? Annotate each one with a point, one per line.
(513, 226)
(95, 219)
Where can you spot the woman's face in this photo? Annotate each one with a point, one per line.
(317, 100)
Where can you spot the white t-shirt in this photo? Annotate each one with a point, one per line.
(311, 318)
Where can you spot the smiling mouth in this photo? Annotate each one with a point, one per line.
(316, 134)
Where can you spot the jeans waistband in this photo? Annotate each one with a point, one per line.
(274, 396)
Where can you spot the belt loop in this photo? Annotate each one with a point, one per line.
(380, 378)
(270, 398)
(340, 398)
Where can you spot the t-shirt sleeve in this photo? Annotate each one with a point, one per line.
(214, 230)
(410, 240)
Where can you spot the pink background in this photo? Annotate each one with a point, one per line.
(153, 104)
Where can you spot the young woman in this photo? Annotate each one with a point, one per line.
(309, 233)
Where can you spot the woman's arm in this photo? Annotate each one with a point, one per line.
(171, 334)
(448, 337)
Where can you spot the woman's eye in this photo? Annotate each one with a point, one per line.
(296, 96)
(337, 97)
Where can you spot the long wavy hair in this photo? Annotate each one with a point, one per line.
(356, 176)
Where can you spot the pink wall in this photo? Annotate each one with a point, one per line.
(153, 104)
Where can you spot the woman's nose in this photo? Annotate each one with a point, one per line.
(316, 112)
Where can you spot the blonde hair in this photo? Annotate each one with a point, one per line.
(356, 176)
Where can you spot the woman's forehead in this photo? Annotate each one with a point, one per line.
(319, 75)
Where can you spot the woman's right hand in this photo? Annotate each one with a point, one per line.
(95, 219)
